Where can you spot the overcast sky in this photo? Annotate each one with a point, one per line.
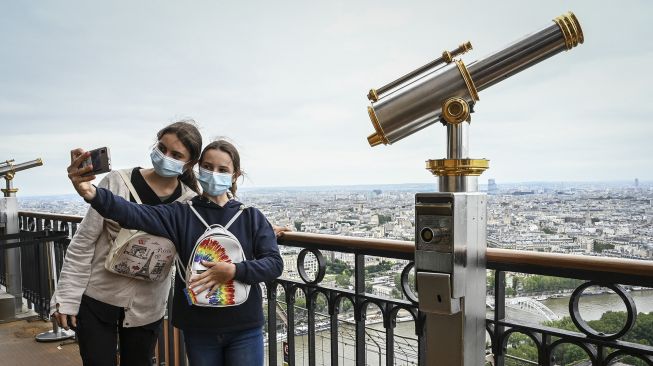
(287, 80)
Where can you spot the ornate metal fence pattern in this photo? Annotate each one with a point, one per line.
(326, 335)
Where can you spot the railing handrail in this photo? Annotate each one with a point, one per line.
(634, 267)
(494, 255)
(75, 219)
(504, 258)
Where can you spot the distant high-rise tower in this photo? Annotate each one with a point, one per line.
(491, 186)
(636, 183)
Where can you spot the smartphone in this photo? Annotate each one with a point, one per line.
(100, 159)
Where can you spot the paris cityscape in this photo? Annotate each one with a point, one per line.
(595, 219)
(598, 219)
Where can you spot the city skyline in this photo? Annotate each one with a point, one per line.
(578, 219)
(413, 187)
(287, 82)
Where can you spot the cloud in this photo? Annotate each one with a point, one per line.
(287, 82)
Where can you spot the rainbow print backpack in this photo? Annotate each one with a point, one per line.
(217, 244)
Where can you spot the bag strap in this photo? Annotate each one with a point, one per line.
(190, 204)
(130, 186)
(181, 269)
(187, 195)
(240, 211)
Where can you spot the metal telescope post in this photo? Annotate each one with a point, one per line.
(9, 221)
(450, 225)
(13, 270)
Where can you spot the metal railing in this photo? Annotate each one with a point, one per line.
(599, 348)
(169, 349)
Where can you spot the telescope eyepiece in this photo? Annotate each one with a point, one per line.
(372, 95)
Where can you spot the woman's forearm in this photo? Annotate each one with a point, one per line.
(157, 220)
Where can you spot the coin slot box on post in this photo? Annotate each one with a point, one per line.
(450, 242)
(450, 238)
(434, 267)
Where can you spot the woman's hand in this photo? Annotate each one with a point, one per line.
(279, 230)
(81, 183)
(216, 274)
(62, 319)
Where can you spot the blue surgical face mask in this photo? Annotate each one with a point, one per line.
(166, 166)
(213, 183)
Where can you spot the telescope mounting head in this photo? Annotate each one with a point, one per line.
(446, 90)
(8, 171)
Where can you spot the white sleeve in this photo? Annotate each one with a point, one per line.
(76, 269)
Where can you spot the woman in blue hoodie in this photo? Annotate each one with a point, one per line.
(214, 336)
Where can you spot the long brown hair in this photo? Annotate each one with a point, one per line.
(230, 149)
(187, 132)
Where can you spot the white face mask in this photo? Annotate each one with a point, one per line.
(166, 166)
(214, 183)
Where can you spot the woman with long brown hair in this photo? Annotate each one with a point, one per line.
(104, 307)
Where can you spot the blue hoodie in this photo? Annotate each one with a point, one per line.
(178, 223)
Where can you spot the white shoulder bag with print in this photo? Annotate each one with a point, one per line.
(137, 254)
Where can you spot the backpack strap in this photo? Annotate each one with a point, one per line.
(190, 204)
(181, 269)
(130, 186)
(240, 211)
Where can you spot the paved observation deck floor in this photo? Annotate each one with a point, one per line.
(19, 348)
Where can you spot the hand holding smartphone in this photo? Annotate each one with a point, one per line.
(99, 158)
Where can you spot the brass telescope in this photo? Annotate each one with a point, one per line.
(8, 168)
(446, 89)
(450, 225)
